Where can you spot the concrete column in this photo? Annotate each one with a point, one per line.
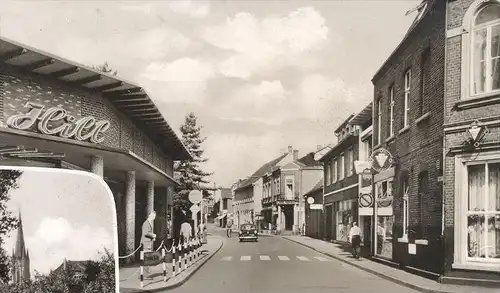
(130, 212)
(97, 165)
(280, 216)
(150, 197)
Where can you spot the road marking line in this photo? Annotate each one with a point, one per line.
(321, 258)
(281, 257)
(265, 257)
(245, 258)
(303, 258)
(227, 258)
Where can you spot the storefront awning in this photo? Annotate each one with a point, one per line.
(130, 99)
(116, 161)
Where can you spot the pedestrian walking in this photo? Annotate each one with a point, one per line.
(229, 226)
(148, 237)
(355, 239)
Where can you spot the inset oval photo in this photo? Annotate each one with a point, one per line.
(57, 232)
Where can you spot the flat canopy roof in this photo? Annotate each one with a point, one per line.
(129, 98)
(363, 116)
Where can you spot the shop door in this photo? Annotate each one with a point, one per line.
(328, 221)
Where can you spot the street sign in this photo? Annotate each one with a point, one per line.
(365, 200)
(381, 159)
(152, 258)
(195, 196)
(316, 206)
(310, 200)
(195, 208)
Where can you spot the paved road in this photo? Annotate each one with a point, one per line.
(276, 265)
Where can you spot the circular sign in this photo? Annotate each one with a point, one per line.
(381, 159)
(310, 200)
(195, 196)
(384, 202)
(195, 208)
(365, 200)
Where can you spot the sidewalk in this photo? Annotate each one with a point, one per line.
(392, 274)
(153, 281)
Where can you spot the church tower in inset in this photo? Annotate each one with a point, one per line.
(20, 269)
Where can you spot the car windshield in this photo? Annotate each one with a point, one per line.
(247, 227)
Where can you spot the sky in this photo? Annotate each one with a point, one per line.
(64, 215)
(259, 75)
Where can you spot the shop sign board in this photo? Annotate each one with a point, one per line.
(316, 206)
(57, 121)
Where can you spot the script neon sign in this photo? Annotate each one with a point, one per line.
(57, 121)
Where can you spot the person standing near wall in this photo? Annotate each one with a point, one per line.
(355, 239)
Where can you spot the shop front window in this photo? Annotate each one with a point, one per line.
(385, 218)
(483, 212)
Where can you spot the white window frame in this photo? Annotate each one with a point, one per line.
(287, 177)
(335, 170)
(467, 59)
(379, 121)
(328, 173)
(342, 166)
(489, 60)
(350, 159)
(407, 101)
(461, 259)
(391, 111)
(406, 209)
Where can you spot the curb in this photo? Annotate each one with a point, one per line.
(386, 277)
(181, 282)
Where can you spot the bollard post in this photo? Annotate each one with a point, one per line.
(190, 249)
(174, 258)
(142, 268)
(181, 252)
(185, 255)
(163, 254)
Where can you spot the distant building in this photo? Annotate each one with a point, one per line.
(224, 199)
(20, 268)
(77, 267)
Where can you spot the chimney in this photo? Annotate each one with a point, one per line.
(319, 147)
(290, 149)
(295, 155)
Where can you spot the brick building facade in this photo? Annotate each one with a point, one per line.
(472, 142)
(59, 114)
(407, 122)
(340, 189)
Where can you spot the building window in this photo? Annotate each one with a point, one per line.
(224, 204)
(350, 161)
(483, 212)
(289, 181)
(278, 185)
(334, 170)
(407, 98)
(405, 184)
(391, 111)
(424, 82)
(423, 184)
(379, 121)
(328, 173)
(486, 51)
(342, 167)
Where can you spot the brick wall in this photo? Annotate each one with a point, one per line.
(17, 89)
(419, 148)
(454, 116)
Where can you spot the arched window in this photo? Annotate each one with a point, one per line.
(486, 50)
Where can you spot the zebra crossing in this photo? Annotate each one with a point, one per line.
(246, 258)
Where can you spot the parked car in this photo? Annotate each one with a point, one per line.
(248, 232)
